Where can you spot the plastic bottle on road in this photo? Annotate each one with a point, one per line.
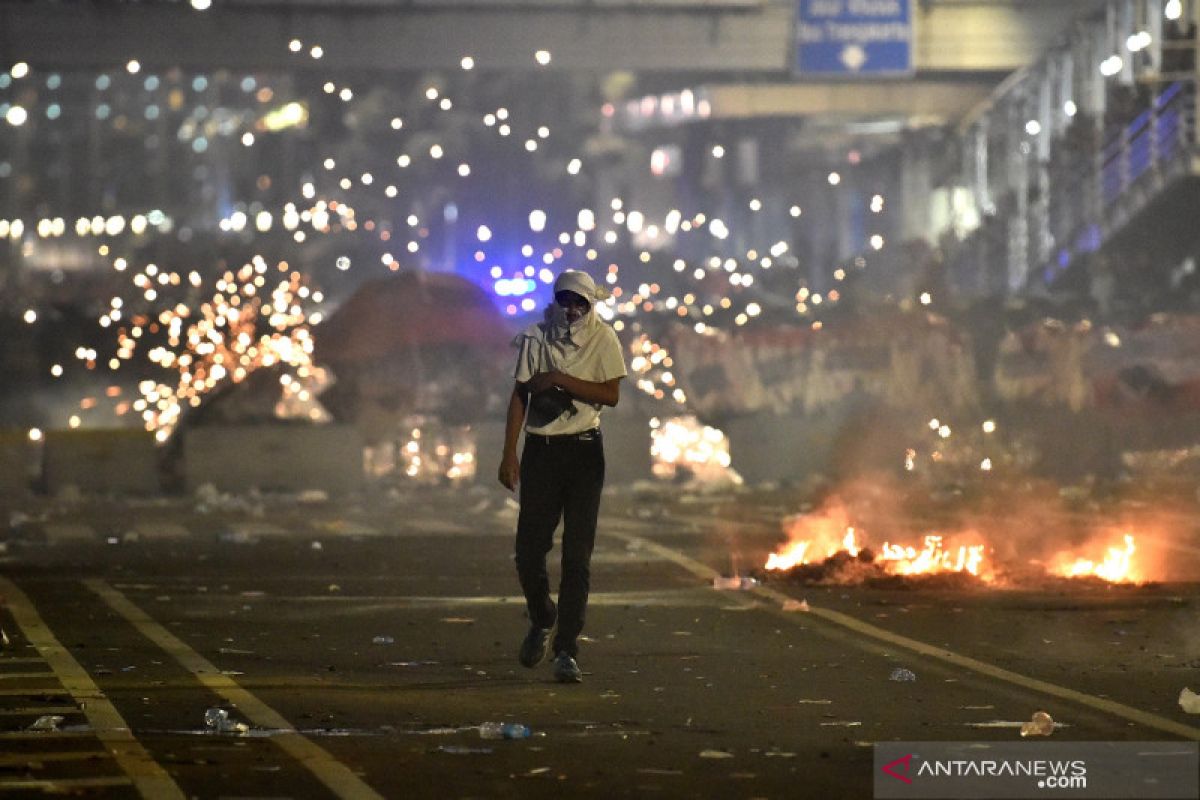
(504, 730)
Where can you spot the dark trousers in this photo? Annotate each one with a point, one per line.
(561, 478)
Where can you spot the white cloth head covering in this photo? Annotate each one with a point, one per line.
(584, 328)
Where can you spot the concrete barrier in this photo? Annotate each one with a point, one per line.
(119, 460)
(283, 457)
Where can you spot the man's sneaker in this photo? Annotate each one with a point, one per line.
(533, 649)
(566, 670)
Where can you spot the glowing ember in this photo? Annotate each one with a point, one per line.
(683, 443)
(1117, 565)
(246, 325)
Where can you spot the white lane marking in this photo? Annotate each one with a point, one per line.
(38, 758)
(7, 676)
(150, 779)
(344, 527)
(63, 784)
(160, 531)
(334, 774)
(36, 711)
(839, 619)
(251, 530)
(69, 532)
(669, 598)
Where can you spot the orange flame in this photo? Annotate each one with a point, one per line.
(1116, 567)
(792, 554)
(932, 558)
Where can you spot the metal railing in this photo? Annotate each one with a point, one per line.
(1155, 138)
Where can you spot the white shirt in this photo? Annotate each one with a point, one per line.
(599, 361)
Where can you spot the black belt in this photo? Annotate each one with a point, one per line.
(590, 435)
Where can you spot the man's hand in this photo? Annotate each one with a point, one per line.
(510, 472)
(542, 381)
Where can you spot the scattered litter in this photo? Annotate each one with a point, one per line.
(5, 642)
(217, 721)
(16, 519)
(411, 663)
(317, 546)
(537, 771)
(333, 587)
(458, 620)
(47, 722)
(796, 605)
(779, 754)
(383, 640)
(715, 754)
(840, 724)
(1042, 724)
(902, 675)
(312, 496)
(815, 702)
(734, 583)
(233, 651)
(464, 751)
(1189, 701)
(504, 730)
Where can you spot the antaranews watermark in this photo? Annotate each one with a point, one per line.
(971, 770)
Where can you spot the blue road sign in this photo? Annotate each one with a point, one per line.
(845, 38)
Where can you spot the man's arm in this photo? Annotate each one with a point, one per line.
(510, 464)
(606, 393)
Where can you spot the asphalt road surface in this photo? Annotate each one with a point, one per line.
(362, 643)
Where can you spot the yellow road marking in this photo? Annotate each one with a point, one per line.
(19, 692)
(150, 779)
(331, 772)
(839, 619)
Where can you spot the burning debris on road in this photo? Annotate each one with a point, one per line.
(826, 547)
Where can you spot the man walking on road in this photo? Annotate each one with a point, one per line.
(569, 367)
